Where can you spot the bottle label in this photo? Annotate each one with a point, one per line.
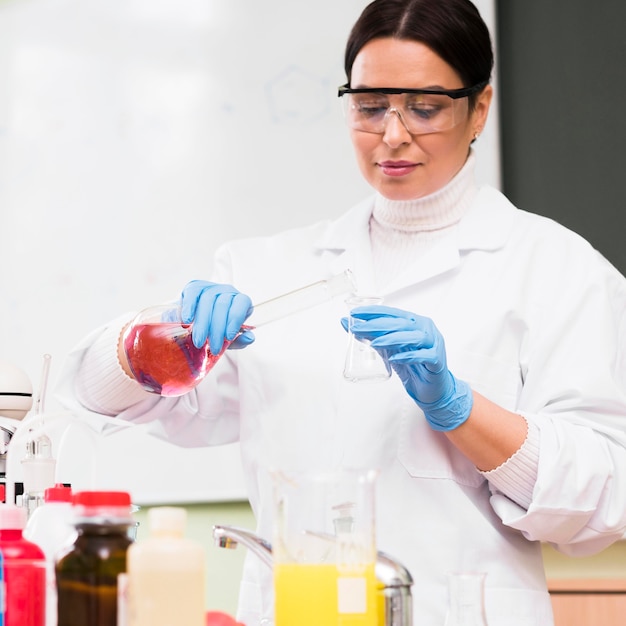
(122, 599)
(352, 595)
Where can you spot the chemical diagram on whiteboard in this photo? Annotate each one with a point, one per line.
(296, 96)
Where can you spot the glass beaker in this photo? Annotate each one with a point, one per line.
(324, 549)
(363, 363)
(161, 353)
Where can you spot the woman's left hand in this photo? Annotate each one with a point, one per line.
(415, 349)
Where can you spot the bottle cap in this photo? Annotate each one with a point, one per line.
(112, 505)
(167, 518)
(58, 493)
(12, 517)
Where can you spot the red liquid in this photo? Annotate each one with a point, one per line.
(164, 360)
(24, 580)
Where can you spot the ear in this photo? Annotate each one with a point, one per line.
(481, 110)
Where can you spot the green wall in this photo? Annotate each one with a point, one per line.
(223, 566)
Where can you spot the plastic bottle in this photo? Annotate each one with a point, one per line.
(51, 527)
(166, 574)
(24, 571)
(87, 575)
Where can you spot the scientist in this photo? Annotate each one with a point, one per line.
(509, 434)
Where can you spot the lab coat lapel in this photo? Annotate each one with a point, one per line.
(346, 244)
(486, 226)
(438, 260)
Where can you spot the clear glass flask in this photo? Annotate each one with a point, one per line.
(466, 603)
(363, 363)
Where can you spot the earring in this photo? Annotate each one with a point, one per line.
(476, 134)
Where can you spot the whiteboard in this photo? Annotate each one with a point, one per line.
(136, 136)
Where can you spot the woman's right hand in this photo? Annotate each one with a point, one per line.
(217, 312)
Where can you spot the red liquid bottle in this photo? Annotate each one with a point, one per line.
(24, 571)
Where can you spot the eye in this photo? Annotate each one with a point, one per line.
(370, 105)
(427, 107)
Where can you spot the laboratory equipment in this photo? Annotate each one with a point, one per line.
(51, 528)
(24, 571)
(363, 363)
(38, 464)
(394, 581)
(16, 400)
(325, 565)
(166, 573)
(159, 348)
(161, 354)
(317, 581)
(38, 467)
(466, 605)
(87, 574)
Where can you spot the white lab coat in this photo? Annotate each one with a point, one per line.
(533, 318)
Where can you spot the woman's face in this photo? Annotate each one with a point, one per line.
(397, 164)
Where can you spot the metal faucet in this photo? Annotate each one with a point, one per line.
(395, 578)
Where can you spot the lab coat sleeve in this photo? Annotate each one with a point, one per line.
(93, 386)
(575, 395)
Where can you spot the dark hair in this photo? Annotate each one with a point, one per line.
(453, 29)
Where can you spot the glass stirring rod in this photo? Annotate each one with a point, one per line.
(301, 299)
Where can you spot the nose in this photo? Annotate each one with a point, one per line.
(396, 131)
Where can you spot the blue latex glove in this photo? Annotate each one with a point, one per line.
(415, 349)
(217, 312)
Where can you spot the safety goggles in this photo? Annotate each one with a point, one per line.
(421, 111)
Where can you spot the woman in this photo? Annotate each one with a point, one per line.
(509, 434)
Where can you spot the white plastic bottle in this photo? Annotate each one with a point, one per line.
(166, 573)
(51, 527)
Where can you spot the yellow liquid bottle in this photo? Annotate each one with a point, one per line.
(312, 594)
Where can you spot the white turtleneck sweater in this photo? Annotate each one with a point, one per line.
(402, 231)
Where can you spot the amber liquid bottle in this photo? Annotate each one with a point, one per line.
(87, 575)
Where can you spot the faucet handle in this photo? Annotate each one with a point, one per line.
(230, 536)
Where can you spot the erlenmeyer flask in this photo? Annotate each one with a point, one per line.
(363, 363)
(466, 605)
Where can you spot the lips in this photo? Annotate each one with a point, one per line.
(397, 168)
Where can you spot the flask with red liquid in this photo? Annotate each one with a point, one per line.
(24, 571)
(161, 353)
